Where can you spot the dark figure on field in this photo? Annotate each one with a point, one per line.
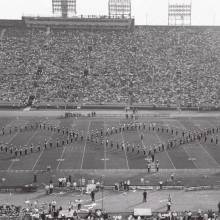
(145, 196)
(92, 194)
(157, 165)
(148, 167)
(152, 157)
(168, 206)
(142, 137)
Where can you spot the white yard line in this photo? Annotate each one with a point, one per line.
(10, 123)
(125, 150)
(105, 149)
(61, 157)
(41, 153)
(73, 125)
(181, 125)
(13, 161)
(37, 159)
(140, 138)
(184, 128)
(34, 134)
(211, 126)
(188, 154)
(12, 138)
(84, 149)
(207, 153)
(64, 149)
(11, 164)
(168, 156)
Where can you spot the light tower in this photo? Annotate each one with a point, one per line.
(64, 8)
(119, 8)
(179, 13)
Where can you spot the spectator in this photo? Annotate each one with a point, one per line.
(92, 194)
(168, 206)
(145, 196)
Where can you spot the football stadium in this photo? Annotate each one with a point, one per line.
(101, 118)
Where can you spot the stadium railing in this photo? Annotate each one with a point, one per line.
(105, 106)
(21, 189)
(121, 106)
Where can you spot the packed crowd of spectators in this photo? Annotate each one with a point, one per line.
(155, 65)
(9, 210)
(44, 211)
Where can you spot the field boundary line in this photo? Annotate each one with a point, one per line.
(84, 148)
(189, 171)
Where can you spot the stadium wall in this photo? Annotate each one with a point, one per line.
(11, 23)
(110, 106)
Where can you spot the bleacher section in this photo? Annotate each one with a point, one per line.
(154, 65)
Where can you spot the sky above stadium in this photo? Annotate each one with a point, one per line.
(151, 12)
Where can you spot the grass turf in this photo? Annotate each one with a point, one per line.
(83, 155)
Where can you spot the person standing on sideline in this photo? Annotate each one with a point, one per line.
(145, 196)
(142, 136)
(92, 194)
(168, 206)
(169, 203)
(148, 167)
(169, 198)
(157, 165)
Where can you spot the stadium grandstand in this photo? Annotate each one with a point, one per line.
(104, 60)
